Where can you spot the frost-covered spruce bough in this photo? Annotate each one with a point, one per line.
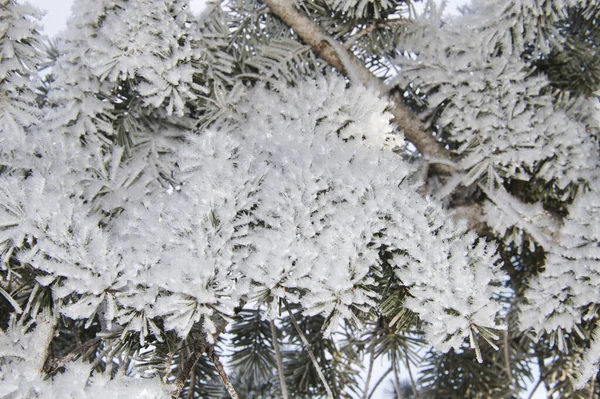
(184, 196)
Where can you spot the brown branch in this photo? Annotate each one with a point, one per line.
(371, 363)
(412, 380)
(228, 385)
(376, 26)
(52, 365)
(348, 64)
(284, 392)
(379, 382)
(184, 372)
(509, 373)
(190, 394)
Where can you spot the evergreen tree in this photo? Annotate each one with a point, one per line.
(263, 200)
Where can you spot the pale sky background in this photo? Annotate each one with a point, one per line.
(57, 12)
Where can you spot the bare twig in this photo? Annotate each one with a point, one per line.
(309, 350)
(412, 380)
(224, 377)
(535, 387)
(279, 361)
(190, 394)
(371, 363)
(397, 379)
(53, 365)
(183, 373)
(376, 26)
(379, 382)
(509, 373)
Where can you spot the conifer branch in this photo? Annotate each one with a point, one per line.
(192, 384)
(397, 385)
(52, 365)
(348, 64)
(373, 27)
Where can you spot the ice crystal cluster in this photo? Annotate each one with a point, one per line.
(507, 124)
(293, 200)
(155, 184)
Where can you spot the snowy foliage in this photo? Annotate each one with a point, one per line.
(497, 115)
(19, 41)
(24, 351)
(568, 289)
(157, 187)
(271, 204)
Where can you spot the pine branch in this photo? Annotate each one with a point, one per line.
(509, 373)
(346, 62)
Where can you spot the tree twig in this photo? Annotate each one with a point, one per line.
(224, 377)
(509, 373)
(412, 380)
(54, 364)
(183, 373)
(535, 387)
(309, 350)
(377, 25)
(379, 381)
(371, 363)
(397, 379)
(284, 392)
(190, 394)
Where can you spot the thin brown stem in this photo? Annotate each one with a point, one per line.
(379, 381)
(278, 359)
(183, 373)
(371, 363)
(412, 380)
(509, 373)
(309, 350)
(224, 377)
(376, 26)
(397, 379)
(190, 394)
(535, 387)
(54, 364)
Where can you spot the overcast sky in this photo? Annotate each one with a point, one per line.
(57, 11)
